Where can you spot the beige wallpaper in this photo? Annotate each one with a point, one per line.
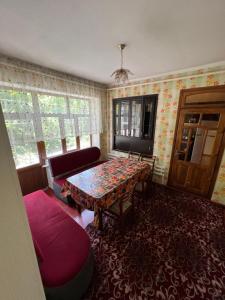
(169, 91)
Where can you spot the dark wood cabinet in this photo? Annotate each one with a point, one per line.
(134, 123)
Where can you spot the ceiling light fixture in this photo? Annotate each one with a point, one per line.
(121, 75)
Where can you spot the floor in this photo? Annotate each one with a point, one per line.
(172, 248)
(84, 219)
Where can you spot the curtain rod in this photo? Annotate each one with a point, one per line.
(167, 80)
(91, 85)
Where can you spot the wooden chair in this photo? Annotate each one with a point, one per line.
(134, 155)
(150, 159)
(123, 205)
(143, 186)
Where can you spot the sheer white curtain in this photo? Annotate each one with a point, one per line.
(70, 106)
(44, 105)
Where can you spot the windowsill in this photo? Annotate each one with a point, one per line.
(21, 169)
(134, 137)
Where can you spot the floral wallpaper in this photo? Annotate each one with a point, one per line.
(169, 92)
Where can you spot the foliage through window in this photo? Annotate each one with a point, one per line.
(31, 118)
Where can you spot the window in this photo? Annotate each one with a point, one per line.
(18, 112)
(85, 141)
(71, 143)
(51, 133)
(134, 121)
(62, 123)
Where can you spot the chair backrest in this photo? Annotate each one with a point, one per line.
(127, 195)
(134, 155)
(150, 159)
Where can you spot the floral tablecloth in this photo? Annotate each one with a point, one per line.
(98, 187)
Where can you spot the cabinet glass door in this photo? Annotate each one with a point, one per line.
(136, 109)
(147, 116)
(124, 127)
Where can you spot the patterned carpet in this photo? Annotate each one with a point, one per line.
(173, 249)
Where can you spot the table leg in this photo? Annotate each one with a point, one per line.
(100, 224)
(70, 201)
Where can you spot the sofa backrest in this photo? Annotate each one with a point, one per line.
(73, 160)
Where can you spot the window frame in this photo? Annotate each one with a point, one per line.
(36, 119)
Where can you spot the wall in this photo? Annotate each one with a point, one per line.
(168, 89)
(19, 273)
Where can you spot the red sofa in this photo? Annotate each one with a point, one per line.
(62, 247)
(66, 165)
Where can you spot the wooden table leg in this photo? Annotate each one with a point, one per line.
(100, 224)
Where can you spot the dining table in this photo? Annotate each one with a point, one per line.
(97, 188)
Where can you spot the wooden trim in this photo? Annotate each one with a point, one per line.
(64, 148)
(204, 93)
(41, 152)
(209, 105)
(20, 170)
(217, 166)
(175, 138)
(78, 142)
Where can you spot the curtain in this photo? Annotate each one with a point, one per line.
(46, 104)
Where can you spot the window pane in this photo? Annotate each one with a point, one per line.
(69, 127)
(53, 147)
(84, 125)
(25, 154)
(16, 102)
(124, 118)
(85, 141)
(136, 119)
(52, 139)
(198, 145)
(96, 140)
(191, 118)
(22, 141)
(50, 127)
(70, 134)
(117, 109)
(20, 131)
(52, 104)
(210, 120)
(191, 144)
(117, 132)
(79, 106)
(209, 142)
(71, 143)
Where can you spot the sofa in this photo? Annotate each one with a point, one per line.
(62, 247)
(69, 164)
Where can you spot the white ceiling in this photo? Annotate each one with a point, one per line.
(80, 36)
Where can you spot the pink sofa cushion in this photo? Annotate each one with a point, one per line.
(38, 251)
(73, 160)
(65, 246)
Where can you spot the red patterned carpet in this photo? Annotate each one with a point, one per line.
(174, 249)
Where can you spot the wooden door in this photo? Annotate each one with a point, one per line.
(197, 145)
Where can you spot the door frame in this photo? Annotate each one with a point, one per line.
(207, 93)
